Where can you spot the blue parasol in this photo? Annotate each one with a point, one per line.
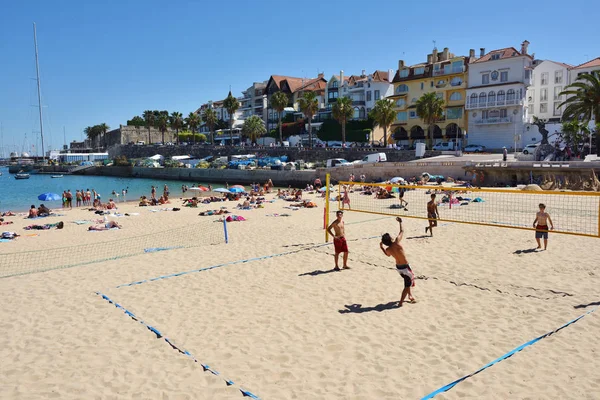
(221, 190)
(49, 197)
(236, 190)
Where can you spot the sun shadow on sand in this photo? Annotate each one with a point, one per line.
(358, 308)
(596, 303)
(526, 251)
(319, 272)
(419, 237)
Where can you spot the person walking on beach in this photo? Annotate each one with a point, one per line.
(166, 192)
(395, 249)
(432, 214)
(153, 193)
(401, 191)
(78, 197)
(69, 197)
(346, 199)
(88, 197)
(339, 240)
(542, 218)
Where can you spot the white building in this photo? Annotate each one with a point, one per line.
(543, 96)
(586, 67)
(254, 101)
(497, 87)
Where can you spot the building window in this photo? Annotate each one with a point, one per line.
(413, 115)
(455, 96)
(510, 94)
(485, 114)
(454, 112)
(356, 113)
(531, 95)
(335, 84)
(482, 99)
(504, 76)
(377, 95)
(456, 81)
(401, 116)
(361, 114)
(473, 99)
(485, 79)
(503, 113)
(414, 100)
(422, 85)
(403, 73)
(496, 56)
(419, 71)
(558, 77)
(500, 97)
(439, 95)
(431, 84)
(557, 90)
(400, 103)
(544, 78)
(368, 95)
(543, 94)
(492, 98)
(402, 89)
(557, 111)
(543, 108)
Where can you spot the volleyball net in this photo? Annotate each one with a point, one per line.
(574, 213)
(206, 233)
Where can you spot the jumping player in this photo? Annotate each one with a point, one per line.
(339, 239)
(433, 214)
(541, 225)
(395, 249)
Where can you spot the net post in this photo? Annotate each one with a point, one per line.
(225, 231)
(599, 217)
(326, 218)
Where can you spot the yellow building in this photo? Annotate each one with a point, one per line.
(444, 74)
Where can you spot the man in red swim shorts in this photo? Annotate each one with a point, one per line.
(339, 239)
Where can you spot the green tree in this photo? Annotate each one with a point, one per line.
(91, 133)
(342, 111)
(384, 115)
(162, 123)
(254, 127)
(176, 121)
(193, 121)
(210, 118)
(279, 102)
(430, 108)
(583, 98)
(309, 105)
(149, 118)
(136, 121)
(231, 104)
(573, 133)
(103, 127)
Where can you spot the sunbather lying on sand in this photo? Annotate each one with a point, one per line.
(105, 227)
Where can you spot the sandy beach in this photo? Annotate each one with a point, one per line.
(287, 326)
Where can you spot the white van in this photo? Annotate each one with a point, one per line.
(334, 162)
(448, 146)
(372, 158)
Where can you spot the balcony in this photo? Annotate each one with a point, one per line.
(493, 121)
(472, 105)
(358, 102)
(449, 70)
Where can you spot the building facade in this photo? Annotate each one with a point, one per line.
(548, 80)
(254, 101)
(444, 74)
(497, 87)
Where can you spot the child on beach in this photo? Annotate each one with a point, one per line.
(541, 225)
(395, 249)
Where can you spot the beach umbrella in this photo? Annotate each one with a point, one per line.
(221, 190)
(397, 179)
(49, 197)
(237, 190)
(239, 187)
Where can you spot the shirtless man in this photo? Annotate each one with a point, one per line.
(108, 225)
(395, 249)
(33, 212)
(153, 193)
(542, 218)
(433, 214)
(339, 239)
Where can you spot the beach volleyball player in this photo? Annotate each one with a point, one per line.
(339, 239)
(394, 249)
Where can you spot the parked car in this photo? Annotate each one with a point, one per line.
(447, 146)
(474, 148)
(530, 148)
(170, 144)
(372, 158)
(140, 143)
(335, 162)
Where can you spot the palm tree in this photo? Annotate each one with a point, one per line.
(309, 105)
(90, 132)
(279, 102)
(176, 121)
(210, 117)
(584, 100)
(384, 116)
(231, 104)
(163, 123)
(430, 108)
(573, 133)
(149, 119)
(254, 127)
(342, 111)
(192, 121)
(104, 128)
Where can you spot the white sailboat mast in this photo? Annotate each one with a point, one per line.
(39, 91)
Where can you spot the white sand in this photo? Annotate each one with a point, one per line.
(283, 334)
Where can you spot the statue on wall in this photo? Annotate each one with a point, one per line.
(541, 124)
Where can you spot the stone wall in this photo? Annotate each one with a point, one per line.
(293, 153)
(127, 134)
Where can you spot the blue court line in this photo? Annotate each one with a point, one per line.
(158, 278)
(159, 335)
(504, 357)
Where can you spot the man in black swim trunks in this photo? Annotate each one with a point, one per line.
(395, 249)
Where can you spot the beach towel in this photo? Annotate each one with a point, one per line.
(478, 200)
(82, 222)
(233, 218)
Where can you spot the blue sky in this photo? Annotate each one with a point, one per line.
(108, 61)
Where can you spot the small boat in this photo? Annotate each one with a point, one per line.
(21, 175)
(57, 176)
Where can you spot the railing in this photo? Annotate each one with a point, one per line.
(492, 121)
(449, 70)
(494, 103)
(358, 102)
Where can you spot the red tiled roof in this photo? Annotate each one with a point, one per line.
(381, 76)
(592, 63)
(505, 53)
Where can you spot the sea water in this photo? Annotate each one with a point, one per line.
(20, 194)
